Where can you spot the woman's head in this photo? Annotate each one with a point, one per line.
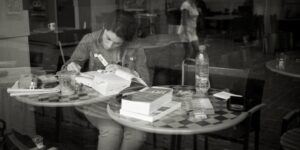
(119, 30)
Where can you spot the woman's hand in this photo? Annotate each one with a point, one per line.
(73, 67)
(114, 67)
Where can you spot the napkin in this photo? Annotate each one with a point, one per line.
(225, 95)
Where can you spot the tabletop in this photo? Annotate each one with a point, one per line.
(155, 41)
(86, 96)
(292, 67)
(178, 121)
(222, 17)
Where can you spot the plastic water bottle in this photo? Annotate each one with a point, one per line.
(202, 71)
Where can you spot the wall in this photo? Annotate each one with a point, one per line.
(274, 7)
(221, 5)
(101, 9)
(14, 29)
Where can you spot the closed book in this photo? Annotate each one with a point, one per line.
(157, 114)
(147, 100)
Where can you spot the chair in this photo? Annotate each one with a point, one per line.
(238, 82)
(17, 141)
(290, 130)
(2, 129)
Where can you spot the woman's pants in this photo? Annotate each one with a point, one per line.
(113, 136)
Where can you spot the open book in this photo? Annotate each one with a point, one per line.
(111, 83)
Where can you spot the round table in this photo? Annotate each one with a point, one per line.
(292, 67)
(178, 122)
(84, 97)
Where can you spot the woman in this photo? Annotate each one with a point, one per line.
(187, 29)
(106, 49)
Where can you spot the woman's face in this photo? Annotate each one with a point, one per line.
(110, 40)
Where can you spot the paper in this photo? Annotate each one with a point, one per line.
(16, 91)
(225, 95)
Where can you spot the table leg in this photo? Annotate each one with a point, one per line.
(195, 141)
(57, 122)
(154, 140)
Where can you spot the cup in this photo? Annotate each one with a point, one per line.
(51, 26)
(67, 82)
(281, 60)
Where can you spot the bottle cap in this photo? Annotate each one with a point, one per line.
(202, 47)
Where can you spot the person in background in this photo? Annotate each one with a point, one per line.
(203, 11)
(187, 29)
(107, 49)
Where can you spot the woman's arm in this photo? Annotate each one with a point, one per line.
(141, 65)
(81, 52)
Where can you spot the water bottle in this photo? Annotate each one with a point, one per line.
(202, 71)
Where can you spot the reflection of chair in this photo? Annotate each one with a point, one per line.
(17, 141)
(290, 131)
(238, 82)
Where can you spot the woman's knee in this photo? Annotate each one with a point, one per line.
(110, 129)
(136, 135)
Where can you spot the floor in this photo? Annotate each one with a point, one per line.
(222, 52)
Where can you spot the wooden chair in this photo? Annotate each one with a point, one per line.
(290, 130)
(238, 82)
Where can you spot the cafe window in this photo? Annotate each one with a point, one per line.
(156, 41)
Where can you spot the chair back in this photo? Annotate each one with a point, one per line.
(2, 130)
(220, 78)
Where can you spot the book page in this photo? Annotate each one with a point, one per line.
(129, 76)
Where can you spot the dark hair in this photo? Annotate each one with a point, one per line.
(124, 25)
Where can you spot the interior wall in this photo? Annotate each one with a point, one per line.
(100, 10)
(274, 8)
(221, 5)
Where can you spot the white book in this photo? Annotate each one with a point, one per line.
(157, 114)
(147, 100)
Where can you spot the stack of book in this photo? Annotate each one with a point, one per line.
(149, 104)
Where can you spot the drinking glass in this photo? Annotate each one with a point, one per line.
(67, 82)
(38, 141)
